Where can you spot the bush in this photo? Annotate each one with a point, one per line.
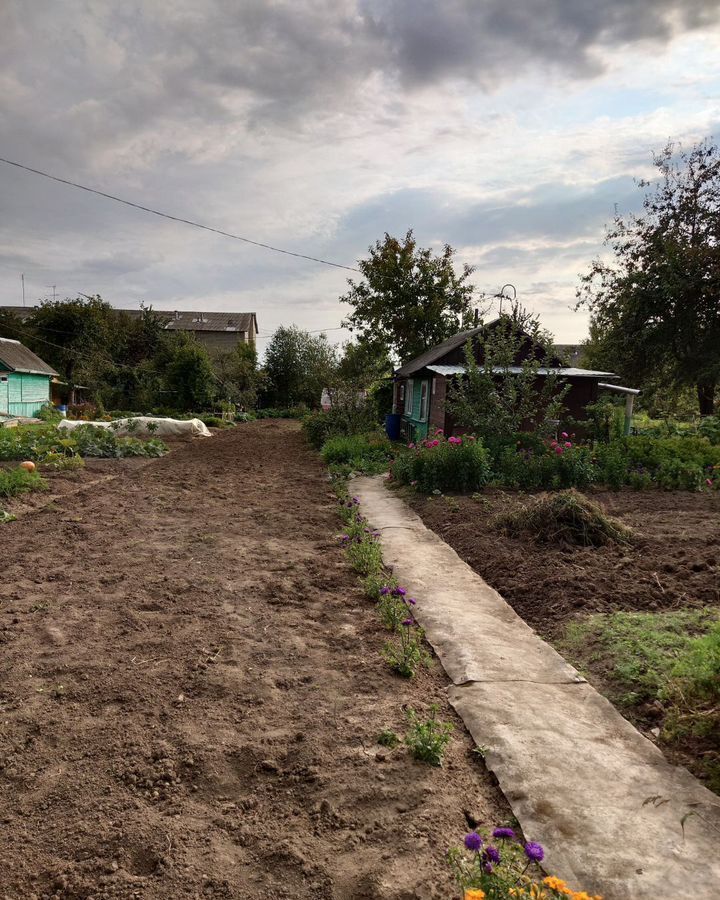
(84, 410)
(271, 412)
(321, 425)
(566, 517)
(455, 464)
(358, 449)
(19, 481)
(49, 413)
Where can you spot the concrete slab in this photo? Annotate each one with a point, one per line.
(599, 796)
(478, 636)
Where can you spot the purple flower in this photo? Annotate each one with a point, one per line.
(504, 833)
(399, 592)
(488, 868)
(492, 854)
(344, 537)
(409, 601)
(384, 591)
(409, 621)
(473, 841)
(534, 851)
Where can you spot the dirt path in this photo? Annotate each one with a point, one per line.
(191, 692)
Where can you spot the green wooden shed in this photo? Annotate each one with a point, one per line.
(24, 380)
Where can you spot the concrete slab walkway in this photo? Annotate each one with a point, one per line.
(614, 816)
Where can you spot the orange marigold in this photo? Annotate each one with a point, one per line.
(475, 894)
(556, 884)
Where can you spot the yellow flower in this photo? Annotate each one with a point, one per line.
(475, 894)
(556, 884)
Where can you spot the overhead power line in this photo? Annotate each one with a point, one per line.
(164, 215)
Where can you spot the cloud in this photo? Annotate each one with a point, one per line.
(506, 129)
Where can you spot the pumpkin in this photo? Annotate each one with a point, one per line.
(28, 465)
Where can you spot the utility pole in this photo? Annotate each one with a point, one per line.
(22, 279)
(53, 286)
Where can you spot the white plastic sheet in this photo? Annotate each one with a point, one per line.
(146, 426)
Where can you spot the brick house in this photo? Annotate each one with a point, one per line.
(421, 385)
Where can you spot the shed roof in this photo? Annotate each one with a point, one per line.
(438, 351)
(17, 358)
(566, 371)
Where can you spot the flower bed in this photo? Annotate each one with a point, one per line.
(526, 462)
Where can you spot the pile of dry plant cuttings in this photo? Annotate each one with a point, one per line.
(564, 517)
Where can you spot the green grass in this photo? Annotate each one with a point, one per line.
(637, 651)
(670, 660)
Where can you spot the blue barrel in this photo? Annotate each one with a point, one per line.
(392, 426)
(63, 410)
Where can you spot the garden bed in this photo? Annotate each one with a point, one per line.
(569, 594)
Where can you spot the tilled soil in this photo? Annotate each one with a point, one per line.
(191, 692)
(674, 563)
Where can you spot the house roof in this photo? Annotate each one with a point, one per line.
(438, 351)
(566, 371)
(187, 320)
(181, 320)
(17, 358)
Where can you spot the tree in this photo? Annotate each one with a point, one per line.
(298, 365)
(363, 363)
(655, 309)
(189, 375)
(73, 336)
(238, 375)
(496, 403)
(410, 299)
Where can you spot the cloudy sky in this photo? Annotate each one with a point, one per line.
(509, 128)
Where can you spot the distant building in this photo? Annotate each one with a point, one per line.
(24, 380)
(218, 331)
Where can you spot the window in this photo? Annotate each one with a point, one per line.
(3, 378)
(409, 398)
(423, 401)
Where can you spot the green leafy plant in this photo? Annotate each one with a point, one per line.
(405, 653)
(18, 481)
(427, 739)
(388, 738)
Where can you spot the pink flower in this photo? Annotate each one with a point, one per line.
(411, 446)
(553, 444)
(564, 434)
(559, 450)
(568, 444)
(439, 431)
(709, 482)
(434, 443)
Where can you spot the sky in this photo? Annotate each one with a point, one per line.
(511, 129)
